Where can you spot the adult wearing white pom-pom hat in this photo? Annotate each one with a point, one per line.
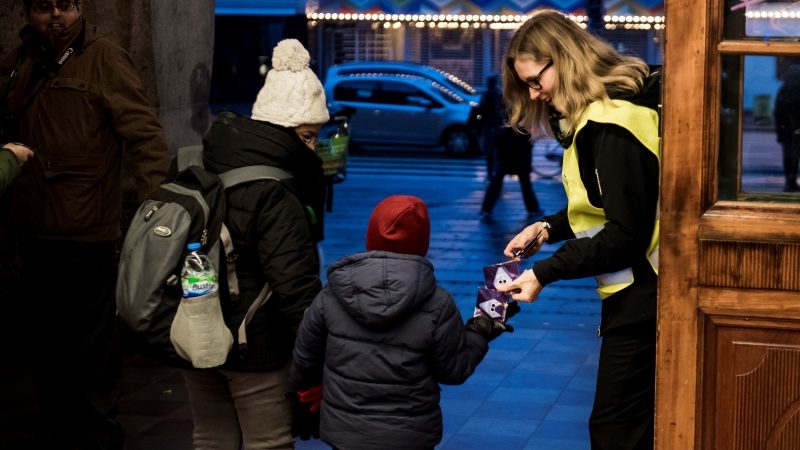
(275, 226)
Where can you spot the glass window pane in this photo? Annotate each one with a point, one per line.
(760, 128)
(772, 20)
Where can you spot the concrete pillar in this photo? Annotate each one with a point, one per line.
(183, 51)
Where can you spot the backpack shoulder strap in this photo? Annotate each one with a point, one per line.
(246, 174)
(191, 155)
(230, 179)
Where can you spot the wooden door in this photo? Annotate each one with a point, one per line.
(728, 358)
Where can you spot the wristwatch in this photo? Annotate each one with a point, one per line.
(546, 225)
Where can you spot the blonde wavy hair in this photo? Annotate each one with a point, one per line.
(587, 69)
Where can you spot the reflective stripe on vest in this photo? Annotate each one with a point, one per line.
(624, 276)
(585, 219)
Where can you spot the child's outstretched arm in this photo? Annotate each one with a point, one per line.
(457, 351)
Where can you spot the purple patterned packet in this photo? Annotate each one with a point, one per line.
(492, 304)
(499, 274)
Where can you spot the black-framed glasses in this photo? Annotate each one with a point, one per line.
(535, 83)
(47, 7)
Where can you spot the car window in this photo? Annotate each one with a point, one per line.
(429, 72)
(396, 93)
(356, 91)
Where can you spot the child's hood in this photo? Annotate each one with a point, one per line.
(378, 289)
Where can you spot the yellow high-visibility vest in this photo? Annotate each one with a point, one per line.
(587, 220)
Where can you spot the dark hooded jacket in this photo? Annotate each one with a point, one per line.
(274, 226)
(787, 109)
(610, 157)
(382, 336)
(79, 123)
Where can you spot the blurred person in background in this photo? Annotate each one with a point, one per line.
(787, 125)
(493, 115)
(513, 150)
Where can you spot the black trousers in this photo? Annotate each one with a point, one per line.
(791, 161)
(495, 188)
(77, 362)
(622, 416)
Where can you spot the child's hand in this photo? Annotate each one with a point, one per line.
(512, 309)
(487, 327)
(305, 420)
(525, 288)
(312, 396)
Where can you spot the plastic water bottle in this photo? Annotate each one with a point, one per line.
(198, 332)
(199, 277)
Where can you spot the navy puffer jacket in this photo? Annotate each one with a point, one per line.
(383, 335)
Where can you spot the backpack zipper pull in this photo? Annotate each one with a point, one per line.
(152, 211)
(204, 237)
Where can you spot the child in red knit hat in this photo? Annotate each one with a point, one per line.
(382, 335)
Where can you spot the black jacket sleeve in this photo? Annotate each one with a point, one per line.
(457, 352)
(287, 253)
(622, 177)
(309, 351)
(559, 227)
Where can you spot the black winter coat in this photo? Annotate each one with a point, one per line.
(272, 228)
(383, 335)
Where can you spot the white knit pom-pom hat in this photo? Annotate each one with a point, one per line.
(292, 94)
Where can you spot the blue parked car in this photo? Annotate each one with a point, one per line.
(401, 109)
(460, 87)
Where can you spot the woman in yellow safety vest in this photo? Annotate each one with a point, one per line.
(562, 81)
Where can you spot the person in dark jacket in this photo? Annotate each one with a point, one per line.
(12, 157)
(787, 125)
(492, 113)
(76, 98)
(274, 226)
(513, 151)
(603, 107)
(382, 335)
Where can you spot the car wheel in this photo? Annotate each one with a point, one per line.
(458, 142)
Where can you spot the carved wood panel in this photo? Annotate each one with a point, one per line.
(756, 265)
(752, 398)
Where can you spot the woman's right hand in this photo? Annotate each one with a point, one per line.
(517, 244)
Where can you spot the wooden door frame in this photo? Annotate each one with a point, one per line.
(687, 94)
(692, 216)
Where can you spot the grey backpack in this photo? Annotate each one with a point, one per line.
(189, 208)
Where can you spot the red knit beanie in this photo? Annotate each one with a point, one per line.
(400, 224)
